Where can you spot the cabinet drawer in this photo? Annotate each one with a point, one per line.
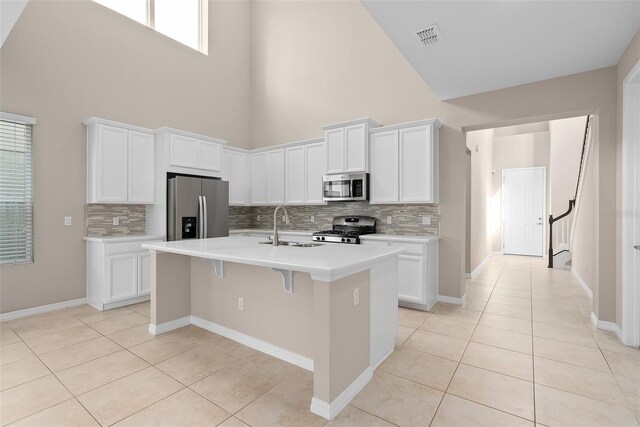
(410, 248)
(373, 243)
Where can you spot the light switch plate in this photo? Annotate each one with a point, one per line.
(67, 220)
(116, 220)
(313, 219)
(426, 220)
(389, 220)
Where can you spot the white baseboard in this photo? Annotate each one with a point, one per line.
(249, 341)
(479, 268)
(582, 282)
(606, 326)
(169, 326)
(330, 410)
(452, 300)
(41, 309)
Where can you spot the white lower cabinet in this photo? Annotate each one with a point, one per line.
(118, 272)
(417, 271)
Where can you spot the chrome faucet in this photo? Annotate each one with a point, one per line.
(276, 241)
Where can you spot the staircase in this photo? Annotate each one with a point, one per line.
(562, 227)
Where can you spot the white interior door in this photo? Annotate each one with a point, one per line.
(523, 211)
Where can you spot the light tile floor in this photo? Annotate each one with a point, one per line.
(520, 351)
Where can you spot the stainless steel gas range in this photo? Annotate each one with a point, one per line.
(347, 229)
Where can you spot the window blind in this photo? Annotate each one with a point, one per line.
(16, 191)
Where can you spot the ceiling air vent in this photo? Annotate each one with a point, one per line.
(430, 35)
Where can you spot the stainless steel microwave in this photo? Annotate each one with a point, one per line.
(345, 187)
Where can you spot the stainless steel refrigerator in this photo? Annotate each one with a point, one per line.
(197, 207)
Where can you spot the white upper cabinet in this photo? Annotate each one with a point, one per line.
(347, 146)
(304, 168)
(120, 163)
(194, 153)
(259, 178)
(404, 163)
(275, 177)
(235, 170)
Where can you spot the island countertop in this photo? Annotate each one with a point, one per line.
(326, 262)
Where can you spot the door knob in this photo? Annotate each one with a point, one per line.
(539, 223)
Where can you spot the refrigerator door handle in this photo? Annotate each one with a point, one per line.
(204, 216)
(200, 226)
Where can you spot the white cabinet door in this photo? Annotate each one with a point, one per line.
(295, 175)
(141, 167)
(144, 273)
(416, 164)
(183, 151)
(112, 164)
(356, 148)
(384, 167)
(335, 150)
(315, 169)
(208, 155)
(237, 178)
(275, 177)
(224, 173)
(122, 276)
(259, 178)
(411, 286)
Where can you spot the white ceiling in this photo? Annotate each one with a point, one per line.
(490, 45)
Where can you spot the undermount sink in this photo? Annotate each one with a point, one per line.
(295, 244)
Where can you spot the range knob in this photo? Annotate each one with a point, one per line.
(348, 240)
(323, 238)
(343, 239)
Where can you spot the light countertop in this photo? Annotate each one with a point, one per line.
(327, 261)
(123, 239)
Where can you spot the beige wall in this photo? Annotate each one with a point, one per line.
(510, 152)
(629, 59)
(565, 141)
(310, 63)
(583, 252)
(482, 221)
(65, 61)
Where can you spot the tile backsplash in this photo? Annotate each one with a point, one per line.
(405, 219)
(100, 219)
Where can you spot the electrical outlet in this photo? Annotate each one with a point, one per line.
(67, 220)
(284, 219)
(356, 296)
(389, 221)
(116, 220)
(258, 217)
(313, 218)
(241, 304)
(426, 220)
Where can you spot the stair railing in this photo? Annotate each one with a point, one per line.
(567, 226)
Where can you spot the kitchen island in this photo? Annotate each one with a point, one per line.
(331, 309)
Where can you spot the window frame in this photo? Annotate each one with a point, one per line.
(27, 121)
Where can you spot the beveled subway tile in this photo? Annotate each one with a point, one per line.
(13, 352)
(578, 380)
(564, 334)
(132, 336)
(21, 371)
(508, 310)
(507, 323)
(398, 401)
(457, 412)
(96, 373)
(184, 408)
(623, 364)
(569, 353)
(57, 340)
(76, 354)
(126, 396)
(354, 417)
(32, 397)
(442, 324)
(196, 364)
(560, 408)
(437, 344)
(423, 368)
(234, 387)
(287, 404)
(499, 360)
(515, 341)
(411, 318)
(498, 391)
(69, 413)
(119, 323)
(403, 335)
